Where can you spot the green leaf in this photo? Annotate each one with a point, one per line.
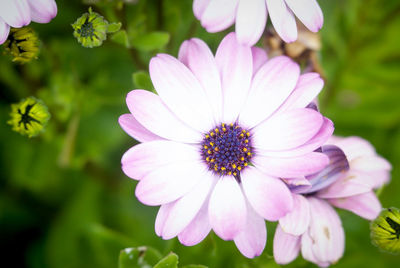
(151, 41)
(141, 79)
(114, 27)
(121, 38)
(170, 261)
(140, 257)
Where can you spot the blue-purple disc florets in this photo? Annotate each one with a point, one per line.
(227, 149)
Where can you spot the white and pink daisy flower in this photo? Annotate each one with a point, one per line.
(314, 227)
(250, 17)
(218, 136)
(19, 13)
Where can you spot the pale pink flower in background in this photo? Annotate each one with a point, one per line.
(313, 227)
(19, 13)
(218, 136)
(250, 17)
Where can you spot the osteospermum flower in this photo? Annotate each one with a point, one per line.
(22, 44)
(20, 13)
(347, 182)
(218, 136)
(29, 116)
(385, 230)
(250, 17)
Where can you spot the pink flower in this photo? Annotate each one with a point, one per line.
(250, 17)
(19, 13)
(347, 182)
(218, 136)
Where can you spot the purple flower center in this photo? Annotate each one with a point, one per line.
(226, 149)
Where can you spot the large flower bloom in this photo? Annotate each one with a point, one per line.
(218, 136)
(250, 17)
(347, 182)
(19, 13)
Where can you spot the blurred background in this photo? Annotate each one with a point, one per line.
(64, 201)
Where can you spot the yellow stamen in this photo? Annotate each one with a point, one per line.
(233, 166)
(244, 149)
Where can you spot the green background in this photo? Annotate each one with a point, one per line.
(64, 201)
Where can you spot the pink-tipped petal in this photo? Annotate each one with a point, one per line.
(350, 184)
(251, 241)
(187, 207)
(291, 167)
(317, 141)
(287, 130)
(42, 11)
(325, 231)
(282, 19)
(271, 85)
(286, 246)
(162, 216)
(308, 12)
(307, 250)
(168, 183)
(250, 21)
(181, 92)
(15, 13)
(199, 6)
(227, 208)
(370, 163)
(297, 221)
(308, 87)
(364, 205)
(235, 63)
(353, 147)
(143, 158)
(198, 229)
(219, 15)
(134, 129)
(4, 30)
(149, 110)
(196, 55)
(260, 57)
(269, 196)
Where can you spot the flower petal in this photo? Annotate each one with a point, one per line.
(291, 167)
(308, 12)
(308, 87)
(143, 158)
(287, 130)
(196, 55)
(296, 221)
(370, 163)
(219, 15)
(353, 146)
(286, 246)
(297, 185)
(198, 229)
(326, 232)
(271, 85)
(168, 183)
(150, 112)
(134, 129)
(235, 63)
(307, 250)
(227, 208)
(15, 13)
(250, 21)
(186, 208)
(364, 205)
(4, 30)
(162, 216)
(260, 57)
(181, 92)
(251, 241)
(199, 6)
(269, 196)
(282, 19)
(42, 11)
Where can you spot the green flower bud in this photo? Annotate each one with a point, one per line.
(22, 44)
(29, 116)
(90, 29)
(385, 230)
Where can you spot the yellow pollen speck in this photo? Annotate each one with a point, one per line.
(223, 168)
(224, 129)
(215, 168)
(241, 135)
(229, 173)
(212, 134)
(207, 136)
(205, 147)
(239, 168)
(246, 141)
(231, 124)
(216, 130)
(248, 134)
(212, 144)
(249, 154)
(245, 164)
(207, 159)
(244, 149)
(212, 160)
(216, 149)
(242, 159)
(223, 125)
(209, 152)
(234, 173)
(233, 166)
(244, 131)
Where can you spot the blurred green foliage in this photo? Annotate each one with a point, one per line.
(64, 201)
